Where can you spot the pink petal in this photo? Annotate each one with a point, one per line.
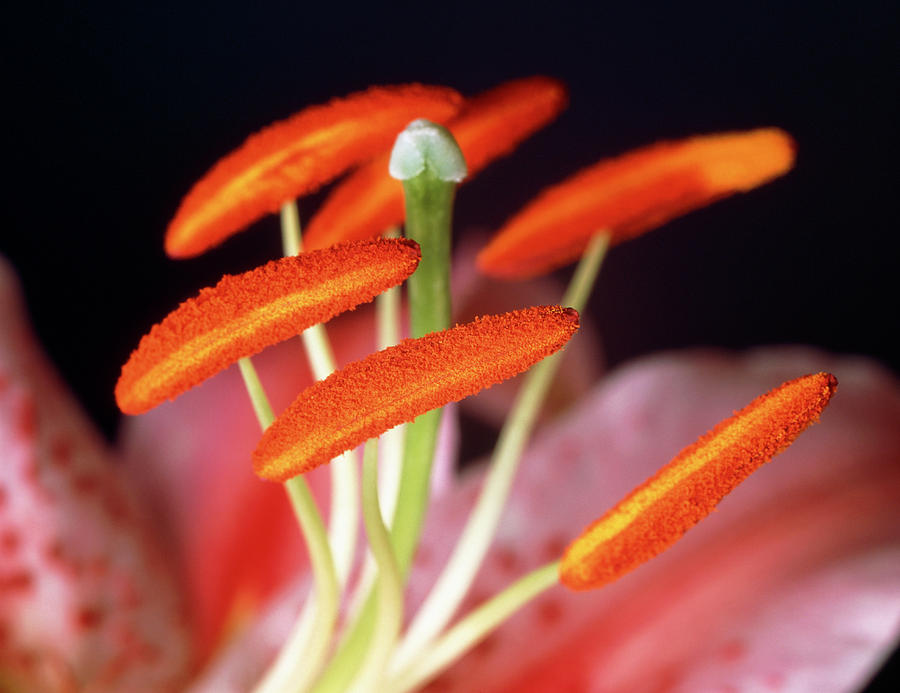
(724, 606)
(243, 663)
(793, 581)
(86, 599)
(236, 537)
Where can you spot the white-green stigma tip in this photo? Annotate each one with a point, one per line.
(422, 145)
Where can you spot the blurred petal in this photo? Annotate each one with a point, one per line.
(822, 521)
(794, 580)
(242, 664)
(229, 565)
(192, 456)
(86, 600)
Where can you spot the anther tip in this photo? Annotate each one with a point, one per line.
(572, 315)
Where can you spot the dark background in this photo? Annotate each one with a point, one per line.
(116, 110)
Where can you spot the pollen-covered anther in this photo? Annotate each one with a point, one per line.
(656, 514)
(398, 384)
(631, 194)
(294, 157)
(245, 313)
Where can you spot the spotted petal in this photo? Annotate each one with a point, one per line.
(87, 600)
(791, 585)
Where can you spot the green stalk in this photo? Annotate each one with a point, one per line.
(290, 229)
(387, 312)
(257, 393)
(429, 205)
(390, 444)
(474, 628)
(300, 661)
(428, 161)
(343, 519)
(390, 581)
(456, 578)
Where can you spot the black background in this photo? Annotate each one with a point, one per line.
(114, 110)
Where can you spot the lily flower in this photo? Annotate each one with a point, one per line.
(90, 601)
(792, 583)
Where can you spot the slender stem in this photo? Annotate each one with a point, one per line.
(390, 444)
(429, 190)
(343, 521)
(582, 283)
(318, 350)
(387, 313)
(473, 628)
(309, 656)
(346, 662)
(415, 485)
(258, 399)
(429, 208)
(289, 667)
(302, 658)
(290, 228)
(472, 546)
(390, 581)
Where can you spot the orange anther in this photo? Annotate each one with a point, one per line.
(656, 514)
(396, 385)
(631, 194)
(243, 314)
(295, 156)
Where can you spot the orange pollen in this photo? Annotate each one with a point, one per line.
(245, 313)
(631, 194)
(295, 156)
(656, 514)
(396, 385)
(490, 125)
